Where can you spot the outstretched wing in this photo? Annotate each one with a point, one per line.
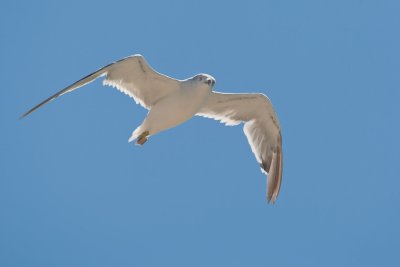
(261, 128)
(132, 76)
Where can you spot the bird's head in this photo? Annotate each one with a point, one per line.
(205, 78)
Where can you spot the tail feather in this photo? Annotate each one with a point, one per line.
(135, 133)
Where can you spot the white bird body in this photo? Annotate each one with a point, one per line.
(171, 102)
(174, 109)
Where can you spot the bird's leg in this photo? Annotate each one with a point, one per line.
(142, 138)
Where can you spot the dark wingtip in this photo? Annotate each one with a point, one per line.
(33, 109)
(85, 80)
(274, 178)
(271, 200)
(27, 113)
(24, 115)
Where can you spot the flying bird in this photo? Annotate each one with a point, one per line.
(171, 102)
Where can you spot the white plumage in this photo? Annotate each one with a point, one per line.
(171, 102)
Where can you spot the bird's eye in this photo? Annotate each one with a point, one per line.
(209, 82)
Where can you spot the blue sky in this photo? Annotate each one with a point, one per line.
(73, 192)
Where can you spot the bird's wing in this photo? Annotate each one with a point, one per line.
(132, 76)
(261, 128)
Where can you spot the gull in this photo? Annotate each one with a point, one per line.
(171, 102)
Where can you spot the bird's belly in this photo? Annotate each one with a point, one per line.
(175, 110)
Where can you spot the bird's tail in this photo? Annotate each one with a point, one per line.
(136, 133)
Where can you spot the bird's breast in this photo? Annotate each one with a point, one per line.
(177, 108)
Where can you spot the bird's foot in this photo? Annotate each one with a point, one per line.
(142, 138)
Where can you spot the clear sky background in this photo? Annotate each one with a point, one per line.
(73, 192)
